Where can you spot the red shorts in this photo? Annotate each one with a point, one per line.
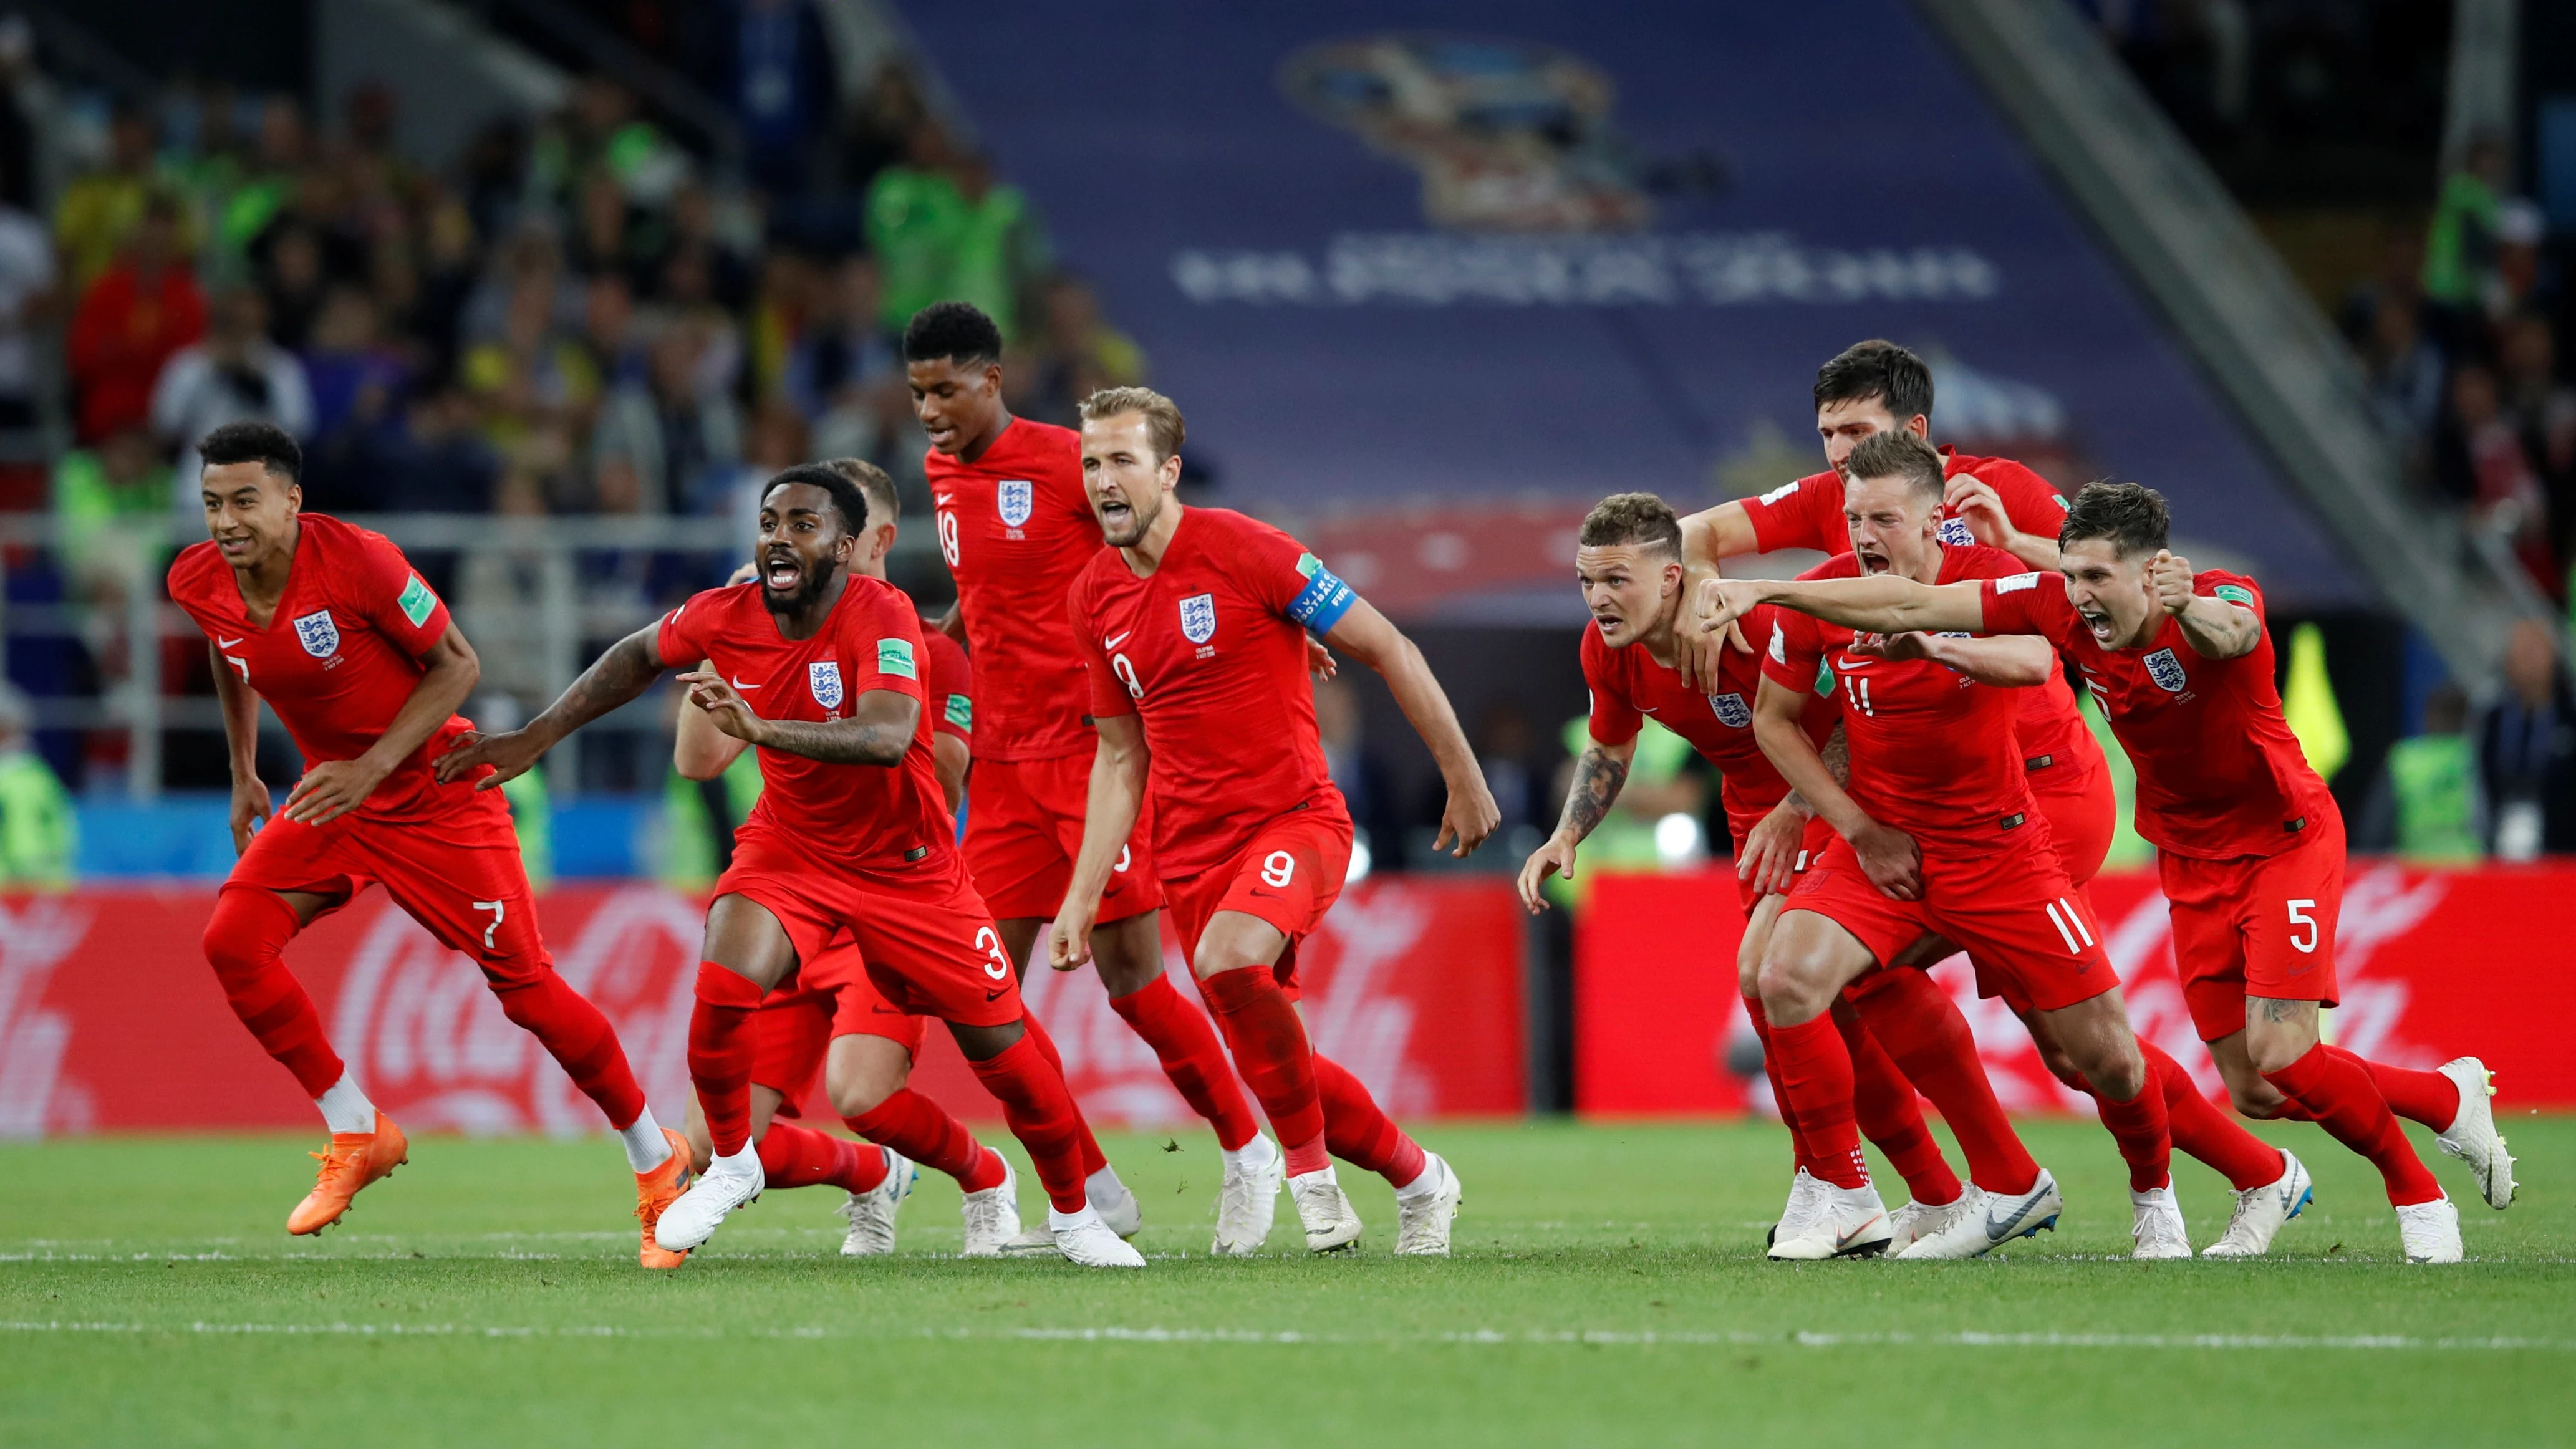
(1811, 847)
(2009, 906)
(1288, 875)
(2256, 926)
(2083, 814)
(458, 873)
(929, 944)
(1024, 828)
(830, 997)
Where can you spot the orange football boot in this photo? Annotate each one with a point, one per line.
(657, 1190)
(355, 1160)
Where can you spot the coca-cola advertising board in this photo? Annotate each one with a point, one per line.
(110, 1018)
(2433, 964)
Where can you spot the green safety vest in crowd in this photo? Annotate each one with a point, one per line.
(688, 840)
(2432, 778)
(532, 815)
(1621, 841)
(39, 835)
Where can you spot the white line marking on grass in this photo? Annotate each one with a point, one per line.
(1481, 1338)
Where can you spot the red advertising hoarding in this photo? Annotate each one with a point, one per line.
(110, 1018)
(2433, 964)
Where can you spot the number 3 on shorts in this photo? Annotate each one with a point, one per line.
(2299, 917)
(1278, 868)
(497, 912)
(998, 962)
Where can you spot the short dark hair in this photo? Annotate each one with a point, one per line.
(874, 482)
(1899, 454)
(956, 331)
(1877, 369)
(251, 441)
(2132, 516)
(1638, 518)
(847, 500)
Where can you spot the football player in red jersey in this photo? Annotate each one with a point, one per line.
(2250, 843)
(1015, 528)
(359, 659)
(850, 834)
(834, 1023)
(1628, 560)
(1194, 624)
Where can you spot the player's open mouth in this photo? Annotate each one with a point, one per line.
(2099, 623)
(1874, 563)
(941, 435)
(781, 574)
(1114, 511)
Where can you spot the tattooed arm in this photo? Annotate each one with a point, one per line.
(1598, 776)
(878, 731)
(619, 676)
(1837, 754)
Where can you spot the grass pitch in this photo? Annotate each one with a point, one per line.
(1608, 1288)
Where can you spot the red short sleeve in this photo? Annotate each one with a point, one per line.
(2229, 588)
(950, 686)
(880, 643)
(1109, 696)
(391, 596)
(1806, 513)
(2029, 603)
(2033, 506)
(681, 638)
(1615, 720)
(1797, 651)
(1269, 565)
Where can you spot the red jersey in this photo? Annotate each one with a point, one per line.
(1933, 753)
(340, 657)
(1015, 526)
(948, 686)
(1809, 512)
(2219, 773)
(852, 816)
(1210, 654)
(1628, 685)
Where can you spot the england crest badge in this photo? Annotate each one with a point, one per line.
(1954, 532)
(1731, 710)
(1017, 500)
(1198, 618)
(823, 676)
(2166, 671)
(318, 634)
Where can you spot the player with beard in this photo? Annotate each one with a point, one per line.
(1015, 528)
(1194, 623)
(1628, 560)
(331, 626)
(849, 835)
(2249, 841)
(834, 1024)
(1939, 836)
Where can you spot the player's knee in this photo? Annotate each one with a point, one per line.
(1790, 994)
(856, 1089)
(244, 933)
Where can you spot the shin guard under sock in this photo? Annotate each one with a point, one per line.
(1184, 1041)
(2412, 1093)
(2338, 1095)
(793, 1156)
(1815, 1067)
(1041, 1113)
(2139, 1126)
(1272, 1053)
(929, 1134)
(721, 1046)
(2203, 1132)
(578, 1037)
(1779, 1094)
(1883, 1104)
(245, 943)
(1358, 1131)
(1093, 1159)
(1914, 1019)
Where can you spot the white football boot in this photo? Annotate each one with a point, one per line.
(1423, 1219)
(1918, 1220)
(1331, 1223)
(1850, 1222)
(2262, 1211)
(1806, 1197)
(1996, 1220)
(694, 1216)
(2472, 1136)
(1247, 1203)
(2430, 1231)
(2156, 1227)
(992, 1217)
(1088, 1242)
(871, 1213)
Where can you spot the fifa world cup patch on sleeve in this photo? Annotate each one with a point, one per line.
(1783, 491)
(417, 602)
(2235, 594)
(1324, 600)
(961, 711)
(894, 656)
(2016, 583)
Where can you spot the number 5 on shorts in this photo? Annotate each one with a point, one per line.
(497, 912)
(2299, 917)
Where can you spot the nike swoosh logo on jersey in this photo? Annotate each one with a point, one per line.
(226, 643)
(1113, 643)
(943, 499)
(1847, 662)
(738, 684)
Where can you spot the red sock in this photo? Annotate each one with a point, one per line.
(1358, 1132)
(2340, 1097)
(1185, 1043)
(793, 1156)
(2202, 1131)
(1093, 1159)
(1779, 1093)
(578, 1037)
(1914, 1019)
(1040, 1111)
(2139, 1126)
(924, 1131)
(245, 943)
(721, 1047)
(1816, 1069)
(1883, 1103)
(2411, 1093)
(1277, 1062)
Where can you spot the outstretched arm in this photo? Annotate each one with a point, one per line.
(2014, 661)
(336, 787)
(1598, 775)
(1365, 634)
(622, 674)
(1108, 819)
(1883, 604)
